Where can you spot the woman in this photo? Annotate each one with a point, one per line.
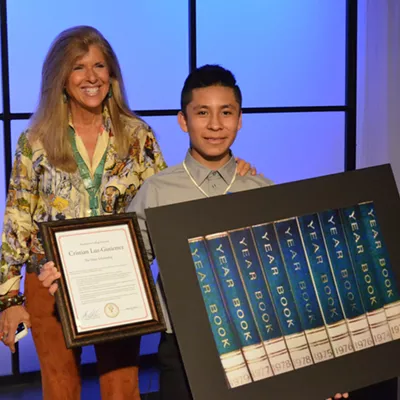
(85, 154)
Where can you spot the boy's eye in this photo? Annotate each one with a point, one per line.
(202, 113)
(227, 112)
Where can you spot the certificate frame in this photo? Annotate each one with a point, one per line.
(74, 338)
(170, 228)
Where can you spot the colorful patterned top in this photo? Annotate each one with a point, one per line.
(39, 192)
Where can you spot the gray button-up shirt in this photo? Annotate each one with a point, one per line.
(173, 185)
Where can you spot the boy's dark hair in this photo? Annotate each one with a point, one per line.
(205, 76)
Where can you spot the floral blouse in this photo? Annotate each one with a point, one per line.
(40, 192)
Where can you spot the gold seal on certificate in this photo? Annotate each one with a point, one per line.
(111, 310)
(106, 286)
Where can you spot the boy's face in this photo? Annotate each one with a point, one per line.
(213, 118)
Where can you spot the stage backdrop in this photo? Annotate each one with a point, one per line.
(284, 53)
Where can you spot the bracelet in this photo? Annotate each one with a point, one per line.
(6, 302)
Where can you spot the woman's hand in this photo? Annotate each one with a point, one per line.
(48, 275)
(244, 167)
(10, 318)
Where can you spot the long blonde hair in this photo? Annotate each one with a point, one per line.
(49, 124)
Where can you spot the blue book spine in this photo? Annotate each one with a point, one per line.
(364, 270)
(238, 305)
(281, 293)
(345, 279)
(324, 284)
(297, 268)
(383, 268)
(229, 349)
(260, 300)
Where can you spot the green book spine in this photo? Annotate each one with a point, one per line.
(383, 268)
(364, 270)
(238, 305)
(281, 293)
(328, 297)
(298, 271)
(260, 300)
(228, 346)
(345, 279)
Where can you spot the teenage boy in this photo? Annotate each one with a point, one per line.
(211, 114)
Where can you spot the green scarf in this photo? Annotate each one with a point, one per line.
(92, 186)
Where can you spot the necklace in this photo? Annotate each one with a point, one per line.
(198, 186)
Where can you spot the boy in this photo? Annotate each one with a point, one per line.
(211, 114)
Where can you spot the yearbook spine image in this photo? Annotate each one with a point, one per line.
(238, 305)
(228, 346)
(324, 284)
(383, 268)
(303, 289)
(345, 279)
(364, 270)
(281, 294)
(260, 300)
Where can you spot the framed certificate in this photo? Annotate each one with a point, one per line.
(290, 291)
(106, 290)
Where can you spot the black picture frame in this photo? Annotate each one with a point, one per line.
(170, 228)
(73, 338)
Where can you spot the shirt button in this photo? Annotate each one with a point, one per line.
(214, 186)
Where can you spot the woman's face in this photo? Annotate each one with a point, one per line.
(89, 81)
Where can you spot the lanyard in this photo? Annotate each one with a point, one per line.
(198, 186)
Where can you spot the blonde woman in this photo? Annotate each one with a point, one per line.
(84, 154)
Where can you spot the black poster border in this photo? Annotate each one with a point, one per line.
(171, 226)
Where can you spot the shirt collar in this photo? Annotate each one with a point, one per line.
(200, 172)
